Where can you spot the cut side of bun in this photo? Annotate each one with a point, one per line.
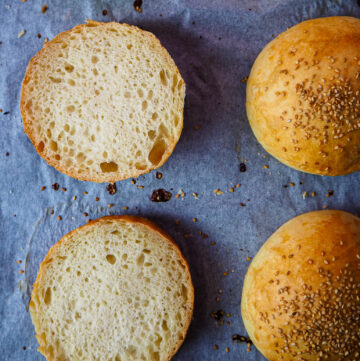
(116, 289)
(103, 102)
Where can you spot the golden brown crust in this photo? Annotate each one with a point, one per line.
(131, 219)
(105, 177)
(303, 100)
(300, 298)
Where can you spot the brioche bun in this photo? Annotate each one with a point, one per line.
(115, 289)
(303, 97)
(301, 295)
(103, 102)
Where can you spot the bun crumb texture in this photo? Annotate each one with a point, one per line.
(103, 102)
(301, 295)
(116, 289)
(303, 96)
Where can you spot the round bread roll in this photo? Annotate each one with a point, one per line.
(301, 295)
(115, 289)
(103, 102)
(303, 97)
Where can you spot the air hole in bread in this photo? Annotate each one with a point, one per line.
(71, 82)
(154, 116)
(147, 251)
(92, 138)
(124, 256)
(47, 110)
(95, 72)
(94, 59)
(53, 146)
(41, 146)
(66, 127)
(176, 121)
(163, 130)
(70, 108)
(175, 80)
(144, 105)
(28, 106)
(108, 167)
(52, 125)
(47, 296)
(117, 358)
(157, 151)
(127, 94)
(48, 133)
(140, 260)
(111, 258)
(105, 154)
(57, 156)
(80, 157)
(140, 93)
(163, 78)
(69, 68)
(150, 94)
(115, 69)
(55, 80)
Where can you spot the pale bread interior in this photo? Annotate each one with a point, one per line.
(103, 102)
(112, 291)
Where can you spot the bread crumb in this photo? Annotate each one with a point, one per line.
(196, 127)
(216, 347)
(43, 9)
(304, 195)
(97, 199)
(218, 192)
(46, 40)
(63, 189)
(59, 218)
(74, 198)
(21, 271)
(313, 194)
(195, 195)
(158, 175)
(292, 184)
(43, 188)
(213, 243)
(110, 205)
(248, 258)
(227, 349)
(266, 166)
(21, 33)
(19, 261)
(231, 190)
(133, 181)
(85, 214)
(125, 208)
(85, 192)
(194, 220)
(52, 211)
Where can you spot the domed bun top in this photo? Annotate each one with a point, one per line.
(303, 96)
(301, 296)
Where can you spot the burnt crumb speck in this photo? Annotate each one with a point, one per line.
(111, 188)
(7, 154)
(138, 5)
(240, 339)
(242, 204)
(160, 195)
(39, 35)
(158, 175)
(55, 186)
(104, 12)
(217, 315)
(242, 167)
(6, 113)
(24, 348)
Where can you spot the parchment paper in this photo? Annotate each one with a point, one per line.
(214, 44)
